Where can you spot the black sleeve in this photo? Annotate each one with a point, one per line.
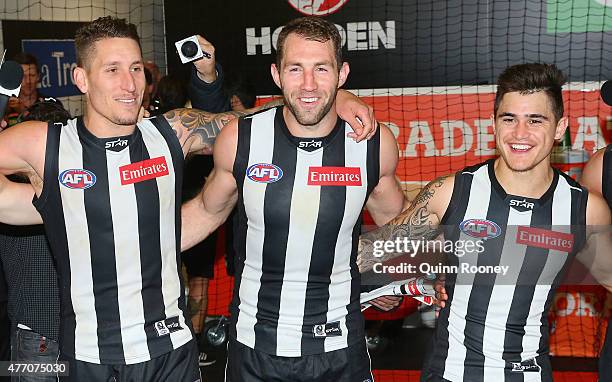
(208, 97)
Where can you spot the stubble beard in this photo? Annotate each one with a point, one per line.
(308, 119)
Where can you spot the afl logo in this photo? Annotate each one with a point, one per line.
(480, 228)
(264, 173)
(77, 179)
(317, 7)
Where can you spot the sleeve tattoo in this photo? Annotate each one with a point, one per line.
(199, 128)
(415, 223)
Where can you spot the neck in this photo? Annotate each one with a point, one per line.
(321, 129)
(103, 128)
(531, 184)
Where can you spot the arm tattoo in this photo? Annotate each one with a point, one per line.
(197, 127)
(416, 223)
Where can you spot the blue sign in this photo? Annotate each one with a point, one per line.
(57, 60)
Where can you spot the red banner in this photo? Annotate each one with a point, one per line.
(442, 131)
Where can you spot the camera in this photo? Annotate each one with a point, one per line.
(189, 49)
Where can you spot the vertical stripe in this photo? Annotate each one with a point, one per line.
(303, 214)
(276, 206)
(254, 194)
(178, 165)
(512, 256)
(124, 214)
(522, 299)
(477, 206)
(561, 220)
(481, 294)
(330, 215)
(346, 280)
(147, 206)
(240, 219)
(103, 259)
(170, 281)
(77, 233)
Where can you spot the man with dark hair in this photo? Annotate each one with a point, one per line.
(300, 186)
(494, 325)
(29, 94)
(208, 91)
(111, 207)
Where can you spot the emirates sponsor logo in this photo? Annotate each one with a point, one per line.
(543, 238)
(145, 170)
(317, 7)
(334, 176)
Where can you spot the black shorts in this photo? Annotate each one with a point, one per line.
(180, 365)
(345, 365)
(200, 259)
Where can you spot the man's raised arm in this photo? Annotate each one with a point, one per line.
(207, 211)
(197, 130)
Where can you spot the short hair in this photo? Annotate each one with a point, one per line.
(310, 28)
(532, 78)
(23, 58)
(99, 29)
(46, 110)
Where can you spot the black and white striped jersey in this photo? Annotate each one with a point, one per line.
(111, 209)
(299, 218)
(494, 326)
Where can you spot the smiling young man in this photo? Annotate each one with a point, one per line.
(108, 190)
(526, 215)
(300, 186)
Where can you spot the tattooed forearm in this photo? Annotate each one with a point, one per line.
(416, 223)
(197, 129)
(366, 258)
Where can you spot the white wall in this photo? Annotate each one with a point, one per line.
(147, 15)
